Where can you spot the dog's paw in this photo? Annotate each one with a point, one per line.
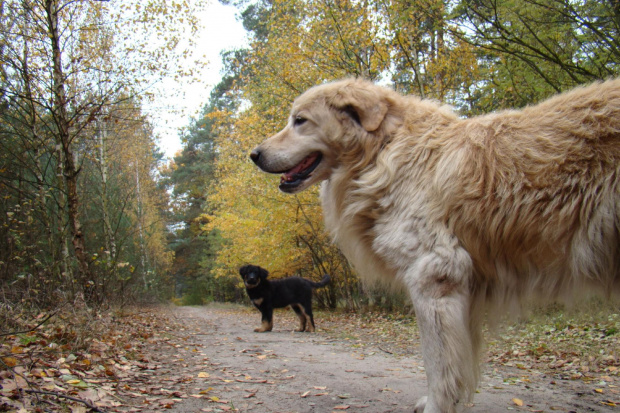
(260, 330)
(420, 405)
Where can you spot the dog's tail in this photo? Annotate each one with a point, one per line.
(321, 283)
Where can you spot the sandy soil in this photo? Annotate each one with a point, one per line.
(222, 365)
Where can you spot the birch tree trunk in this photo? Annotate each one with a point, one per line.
(63, 138)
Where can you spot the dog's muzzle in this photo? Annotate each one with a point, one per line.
(252, 281)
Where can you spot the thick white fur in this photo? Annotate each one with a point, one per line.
(470, 215)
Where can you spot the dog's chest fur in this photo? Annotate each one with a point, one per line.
(383, 247)
(259, 294)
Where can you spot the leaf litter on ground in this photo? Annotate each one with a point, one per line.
(99, 361)
(147, 360)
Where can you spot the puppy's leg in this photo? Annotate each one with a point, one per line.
(308, 311)
(267, 320)
(302, 318)
(440, 293)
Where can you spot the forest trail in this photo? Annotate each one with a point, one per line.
(223, 365)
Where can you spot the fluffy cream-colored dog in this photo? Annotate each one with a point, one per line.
(470, 215)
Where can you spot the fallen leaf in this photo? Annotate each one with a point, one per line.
(17, 350)
(91, 395)
(78, 383)
(10, 361)
(305, 394)
(518, 402)
(341, 407)
(203, 375)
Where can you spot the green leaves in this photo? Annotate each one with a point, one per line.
(535, 48)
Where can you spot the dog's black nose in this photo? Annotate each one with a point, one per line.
(255, 155)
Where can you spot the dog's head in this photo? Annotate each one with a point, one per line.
(252, 275)
(324, 123)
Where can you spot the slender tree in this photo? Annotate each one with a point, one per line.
(73, 77)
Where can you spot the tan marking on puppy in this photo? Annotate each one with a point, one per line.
(302, 318)
(266, 326)
(309, 326)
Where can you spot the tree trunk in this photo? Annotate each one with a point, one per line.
(63, 138)
(110, 239)
(143, 253)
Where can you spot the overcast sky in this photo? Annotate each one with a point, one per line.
(221, 32)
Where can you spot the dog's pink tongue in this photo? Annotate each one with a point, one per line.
(302, 166)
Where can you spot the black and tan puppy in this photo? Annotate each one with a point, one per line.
(267, 295)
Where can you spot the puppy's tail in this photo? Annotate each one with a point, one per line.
(321, 283)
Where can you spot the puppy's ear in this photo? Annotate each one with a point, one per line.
(263, 273)
(243, 271)
(364, 102)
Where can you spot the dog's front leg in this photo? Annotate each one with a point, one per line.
(266, 320)
(439, 290)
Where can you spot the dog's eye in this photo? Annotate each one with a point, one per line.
(299, 121)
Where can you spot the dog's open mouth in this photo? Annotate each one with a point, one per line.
(294, 177)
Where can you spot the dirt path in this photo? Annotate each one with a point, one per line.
(223, 365)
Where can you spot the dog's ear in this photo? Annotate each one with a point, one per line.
(243, 271)
(364, 104)
(263, 273)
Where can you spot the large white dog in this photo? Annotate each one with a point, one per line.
(472, 216)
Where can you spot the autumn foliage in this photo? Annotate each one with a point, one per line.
(92, 217)
(90, 211)
(477, 56)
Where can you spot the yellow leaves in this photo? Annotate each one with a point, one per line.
(298, 50)
(260, 224)
(10, 361)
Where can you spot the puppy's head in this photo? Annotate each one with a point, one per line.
(325, 122)
(252, 275)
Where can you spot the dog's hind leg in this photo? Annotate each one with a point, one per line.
(301, 315)
(440, 294)
(307, 309)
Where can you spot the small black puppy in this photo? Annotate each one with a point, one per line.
(267, 295)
